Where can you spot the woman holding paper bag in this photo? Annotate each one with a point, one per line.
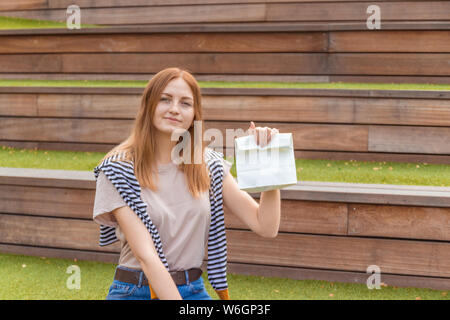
(262, 218)
(167, 214)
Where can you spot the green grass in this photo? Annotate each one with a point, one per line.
(225, 84)
(374, 172)
(322, 85)
(32, 278)
(307, 169)
(7, 23)
(43, 159)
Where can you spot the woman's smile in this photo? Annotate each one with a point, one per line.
(172, 119)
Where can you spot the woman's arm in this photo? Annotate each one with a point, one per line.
(142, 246)
(262, 218)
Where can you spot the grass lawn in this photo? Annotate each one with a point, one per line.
(21, 23)
(307, 169)
(30, 278)
(224, 84)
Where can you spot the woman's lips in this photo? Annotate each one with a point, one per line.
(172, 119)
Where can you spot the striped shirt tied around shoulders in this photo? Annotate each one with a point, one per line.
(121, 174)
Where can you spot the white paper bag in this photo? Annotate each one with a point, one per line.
(265, 168)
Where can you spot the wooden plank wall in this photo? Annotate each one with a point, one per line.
(314, 41)
(328, 231)
(409, 126)
(130, 12)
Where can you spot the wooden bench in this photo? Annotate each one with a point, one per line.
(328, 231)
(380, 125)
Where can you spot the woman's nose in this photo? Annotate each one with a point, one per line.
(174, 106)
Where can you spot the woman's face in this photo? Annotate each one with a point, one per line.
(176, 102)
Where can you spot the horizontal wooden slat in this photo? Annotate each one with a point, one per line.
(304, 216)
(409, 139)
(400, 139)
(162, 42)
(65, 130)
(18, 104)
(308, 136)
(430, 64)
(55, 4)
(341, 253)
(389, 41)
(405, 64)
(328, 110)
(343, 41)
(23, 4)
(399, 222)
(46, 201)
(249, 12)
(201, 63)
(234, 108)
(90, 106)
(33, 63)
(146, 77)
(52, 232)
(341, 11)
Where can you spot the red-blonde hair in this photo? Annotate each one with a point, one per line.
(139, 147)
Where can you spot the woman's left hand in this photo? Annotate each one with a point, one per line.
(263, 135)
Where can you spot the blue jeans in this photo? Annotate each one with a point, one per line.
(119, 290)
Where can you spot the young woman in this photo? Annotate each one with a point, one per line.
(166, 214)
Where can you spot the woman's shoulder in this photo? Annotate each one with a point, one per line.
(211, 154)
(117, 162)
(216, 158)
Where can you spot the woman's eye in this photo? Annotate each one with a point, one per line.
(187, 104)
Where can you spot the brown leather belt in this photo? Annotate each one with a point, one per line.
(179, 277)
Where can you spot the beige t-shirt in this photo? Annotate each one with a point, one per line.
(181, 220)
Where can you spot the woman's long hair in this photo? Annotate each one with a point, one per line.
(139, 147)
